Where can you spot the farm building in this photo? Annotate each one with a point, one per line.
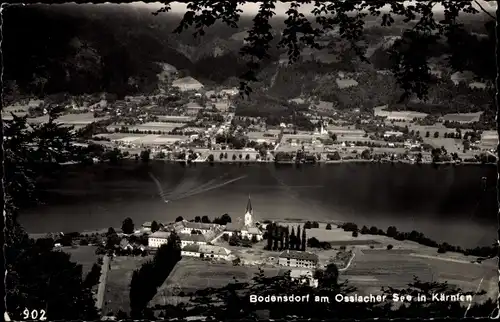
(206, 251)
(158, 238)
(192, 108)
(187, 84)
(188, 239)
(392, 133)
(186, 227)
(293, 258)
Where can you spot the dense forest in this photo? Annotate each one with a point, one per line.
(111, 48)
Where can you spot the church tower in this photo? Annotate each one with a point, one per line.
(249, 214)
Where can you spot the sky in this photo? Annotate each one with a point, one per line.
(282, 7)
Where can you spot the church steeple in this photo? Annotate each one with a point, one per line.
(249, 206)
(249, 214)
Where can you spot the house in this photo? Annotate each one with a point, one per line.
(191, 250)
(211, 251)
(305, 276)
(186, 227)
(158, 238)
(187, 239)
(146, 226)
(125, 245)
(294, 258)
(206, 251)
(392, 133)
(192, 108)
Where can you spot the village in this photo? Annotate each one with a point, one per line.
(187, 121)
(214, 252)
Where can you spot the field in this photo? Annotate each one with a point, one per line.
(83, 255)
(463, 117)
(190, 275)
(116, 296)
(144, 138)
(372, 269)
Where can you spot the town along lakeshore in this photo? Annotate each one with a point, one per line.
(452, 204)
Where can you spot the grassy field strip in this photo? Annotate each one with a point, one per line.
(360, 279)
(441, 258)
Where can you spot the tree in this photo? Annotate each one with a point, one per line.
(205, 220)
(328, 227)
(211, 158)
(39, 276)
(225, 219)
(247, 157)
(145, 155)
(304, 240)
(315, 224)
(392, 231)
(155, 226)
(234, 157)
(111, 231)
(436, 134)
(128, 226)
(298, 243)
(364, 230)
(179, 219)
(93, 276)
(221, 156)
(307, 225)
(354, 234)
(427, 134)
(269, 236)
(389, 247)
(409, 55)
(287, 238)
(293, 240)
(197, 219)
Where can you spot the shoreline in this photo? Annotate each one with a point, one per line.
(328, 162)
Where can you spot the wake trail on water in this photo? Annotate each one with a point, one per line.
(161, 193)
(210, 188)
(202, 186)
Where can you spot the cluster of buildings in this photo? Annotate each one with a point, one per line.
(196, 241)
(196, 237)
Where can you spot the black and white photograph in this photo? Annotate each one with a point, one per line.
(227, 160)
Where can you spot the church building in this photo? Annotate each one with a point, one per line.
(247, 228)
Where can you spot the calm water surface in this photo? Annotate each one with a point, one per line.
(447, 203)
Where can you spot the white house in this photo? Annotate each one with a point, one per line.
(206, 251)
(191, 250)
(158, 238)
(187, 239)
(392, 133)
(186, 227)
(293, 258)
(304, 276)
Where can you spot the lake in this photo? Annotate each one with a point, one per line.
(447, 204)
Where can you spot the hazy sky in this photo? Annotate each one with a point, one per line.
(282, 7)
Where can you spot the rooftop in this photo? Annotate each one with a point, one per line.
(198, 225)
(294, 254)
(160, 234)
(191, 248)
(192, 237)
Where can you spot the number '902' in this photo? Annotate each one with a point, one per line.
(34, 315)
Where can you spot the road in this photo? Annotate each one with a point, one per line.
(106, 262)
